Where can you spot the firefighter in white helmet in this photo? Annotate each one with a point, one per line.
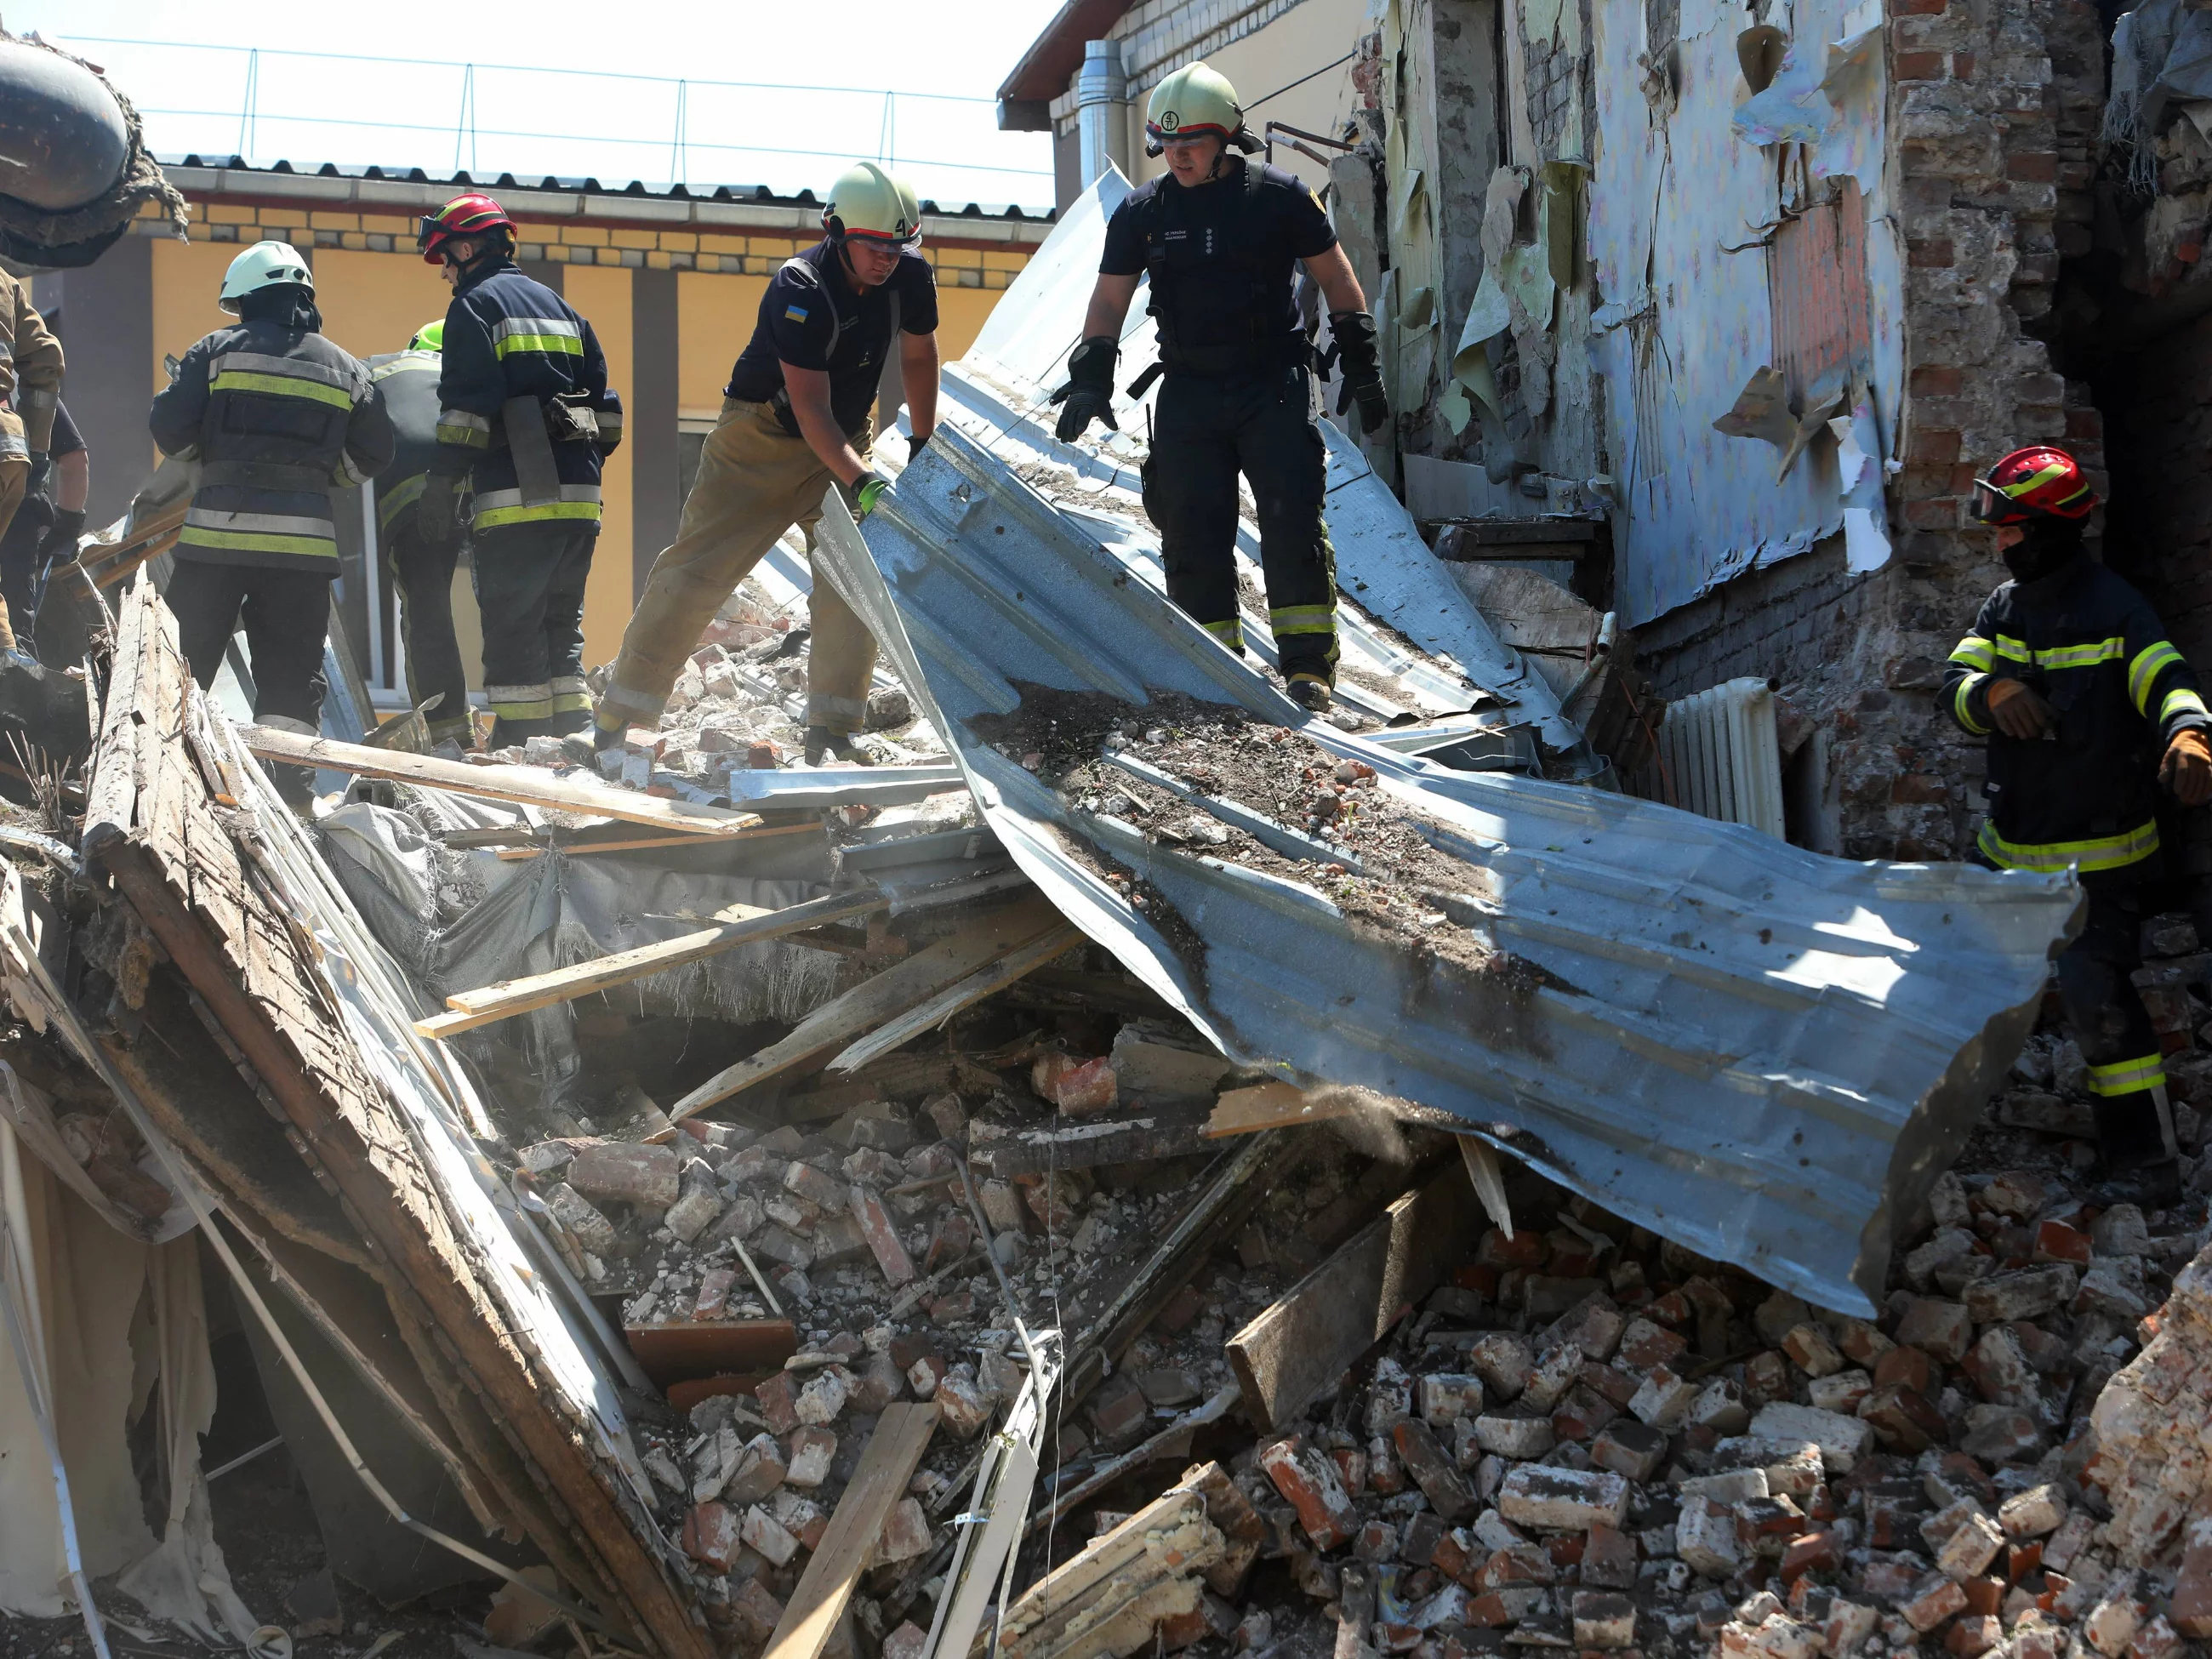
(796, 416)
(277, 416)
(1220, 235)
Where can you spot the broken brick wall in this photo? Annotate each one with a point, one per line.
(1993, 114)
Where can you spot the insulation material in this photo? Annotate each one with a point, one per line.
(103, 1316)
(1684, 225)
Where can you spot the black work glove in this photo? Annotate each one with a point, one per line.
(1363, 374)
(915, 446)
(860, 495)
(437, 515)
(1089, 394)
(58, 545)
(42, 466)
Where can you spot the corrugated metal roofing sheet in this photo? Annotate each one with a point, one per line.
(1766, 1055)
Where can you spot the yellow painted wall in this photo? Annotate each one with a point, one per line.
(1295, 44)
(960, 314)
(714, 318)
(602, 294)
(374, 302)
(187, 277)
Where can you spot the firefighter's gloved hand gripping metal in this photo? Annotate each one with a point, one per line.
(860, 496)
(1089, 394)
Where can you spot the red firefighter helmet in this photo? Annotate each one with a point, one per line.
(472, 215)
(2035, 482)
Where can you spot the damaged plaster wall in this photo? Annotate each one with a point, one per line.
(1881, 229)
(1991, 119)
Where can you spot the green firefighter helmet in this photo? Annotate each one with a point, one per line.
(869, 203)
(265, 265)
(431, 337)
(1195, 101)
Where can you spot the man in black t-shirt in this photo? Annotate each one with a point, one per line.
(1220, 236)
(47, 527)
(795, 418)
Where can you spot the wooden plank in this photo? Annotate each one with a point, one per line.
(889, 994)
(740, 924)
(993, 976)
(1127, 1139)
(893, 1454)
(1275, 1106)
(525, 786)
(584, 849)
(1321, 1325)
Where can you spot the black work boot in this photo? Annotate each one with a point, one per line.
(1310, 693)
(823, 744)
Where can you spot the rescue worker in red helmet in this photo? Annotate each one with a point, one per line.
(2090, 712)
(525, 419)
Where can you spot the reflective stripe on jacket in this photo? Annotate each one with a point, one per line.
(2091, 645)
(277, 416)
(508, 335)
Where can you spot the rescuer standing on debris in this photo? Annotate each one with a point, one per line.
(30, 372)
(2089, 710)
(277, 416)
(421, 570)
(527, 420)
(795, 419)
(1218, 235)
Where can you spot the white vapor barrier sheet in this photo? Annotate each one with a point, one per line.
(1400, 617)
(1764, 1053)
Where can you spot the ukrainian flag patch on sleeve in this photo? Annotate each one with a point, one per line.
(794, 313)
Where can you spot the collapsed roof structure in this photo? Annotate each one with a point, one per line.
(758, 1094)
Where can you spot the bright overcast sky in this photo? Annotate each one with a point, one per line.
(615, 124)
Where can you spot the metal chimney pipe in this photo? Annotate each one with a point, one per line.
(1102, 110)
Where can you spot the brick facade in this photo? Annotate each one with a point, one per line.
(568, 242)
(1993, 116)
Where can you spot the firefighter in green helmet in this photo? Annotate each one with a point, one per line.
(795, 420)
(421, 567)
(1220, 235)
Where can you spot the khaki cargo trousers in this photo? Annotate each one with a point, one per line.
(754, 482)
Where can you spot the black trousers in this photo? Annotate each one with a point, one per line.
(529, 588)
(2112, 1027)
(287, 615)
(1266, 424)
(19, 561)
(424, 578)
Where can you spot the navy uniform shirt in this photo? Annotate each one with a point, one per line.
(811, 318)
(1221, 255)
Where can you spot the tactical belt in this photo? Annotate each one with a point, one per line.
(1242, 356)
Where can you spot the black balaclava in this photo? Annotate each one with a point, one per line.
(288, 305)
(2049, 544)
